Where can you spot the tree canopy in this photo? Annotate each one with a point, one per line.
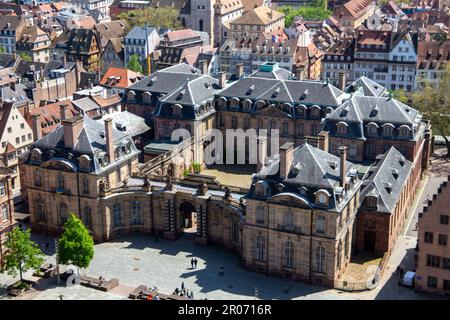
(25, 57)
(164, 17)
(400, 95)
(317, 10)
(134, 64)
(22, 254)
(76, 245)
(433, 101)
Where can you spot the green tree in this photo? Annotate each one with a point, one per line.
(134, 64)
(433, 102)
(400, 95)
(25, 56)
(76, 245)
(2, 49)
(164, 17)
(22, 254)
(317, 10)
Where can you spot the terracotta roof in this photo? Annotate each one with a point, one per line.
(50, 115)
(229, 5)
(119, 77)
(259, 16)
(251, 4)
(433, 54)
(10, 148)
(58, 5)
(106, 102)
(180, 34)
(356, 8)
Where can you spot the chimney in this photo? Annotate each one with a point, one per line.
(203, 66)
(323, 141)
(36, 126)
(72, 129)
(13, 85)
(239, 70)
(343, 158)
(298, 73)
(262, 152)
(64, 112)
(109, 139)
(342, 80)
(222, 79)
(286, 157)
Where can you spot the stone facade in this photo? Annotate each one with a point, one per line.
(6, 210)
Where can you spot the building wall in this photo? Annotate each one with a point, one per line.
(6, 213)
(430, 221)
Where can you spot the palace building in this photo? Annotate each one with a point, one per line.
(311, 205)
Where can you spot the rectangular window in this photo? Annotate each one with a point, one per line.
(321, 222)
(22, 126)
(428, 237)
(446, 285)
(432, 282)
(443, 238)
(17, 140)
(433, 261)
(446, 263)
(444, 219)
(2, 188)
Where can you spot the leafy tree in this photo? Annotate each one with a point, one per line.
(2, 49)
(76, 245)
(400, 95)
(433, 102)
(22, 254)
(164, 17)
(134, 64)
(316, 11)
(25, 56)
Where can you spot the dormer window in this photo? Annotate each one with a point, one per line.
(177, 110)
(234, 103)
(36, 155)
(322, 197)
(372, 202)
(372, 129)
(341, 127)
(261, 189)
(146, 97)
(247, 104)
(221, 102)
(404, 131)
(131, 95)
(301, 110)
(315, 111)
(388, 187)
(374, 111)
(395, 173)
(85, 162)
(388, 130)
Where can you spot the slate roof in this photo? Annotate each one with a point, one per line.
(139, 33)
(312, 169)
(19, 96)
(127, 122)
(386, 183)
(358, 111)
(85, 104)
(91, 141)
(368, 86)
(277, 73)
(291, 91)
(7, 60)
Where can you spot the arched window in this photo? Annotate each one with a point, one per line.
(234, 122)
(117, 215)
(60, 181)
(40, 209)
(404, 131)
(37, 178)
(372, 129)
(136, 212)
(301, 110)
(5, 212)
(85, 185)
(247, 104)
(346, 244)
(320, 259)
(63, 216)
(146, 97)
(288, 254)
(234, 103)
(260, 216)
(87, 217)
(131, 95)
(288, 219)
(261, 188)
(339, 255)
(388, 130)
(371, 202)
(285, 128)
(342, 128)
(260, 248)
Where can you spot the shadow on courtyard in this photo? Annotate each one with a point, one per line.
(392, 291)
(236, 280)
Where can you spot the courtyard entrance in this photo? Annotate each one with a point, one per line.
(188, 218)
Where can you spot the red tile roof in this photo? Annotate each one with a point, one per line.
(50, 115)
(119, 77)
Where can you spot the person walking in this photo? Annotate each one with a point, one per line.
(192, 263)
(195, 263)
(182, 286)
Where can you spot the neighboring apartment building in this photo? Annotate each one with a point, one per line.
(256, 21)
(99, 9)
(255, 51)
(388, 58)
(184, 38)
(433, 57)
(353, 13)
(11, 28)
(35, 43)
(7, 221)
(112, 55)
(225, 11)
(339, 59)
(142, 42)
(83, 46)
(433, 264)
(15, 137)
